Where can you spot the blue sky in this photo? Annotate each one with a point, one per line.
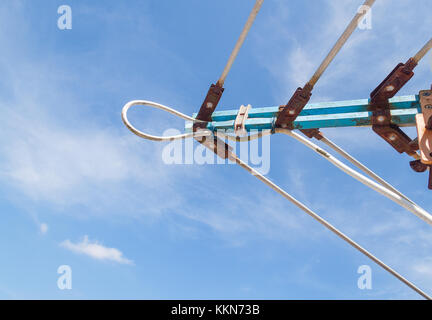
(78, 189)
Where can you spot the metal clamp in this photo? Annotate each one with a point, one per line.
(426, 106)
(380, 106)
(218, 146)
(424, 128)
(209, 105)
(289, 112)
(205, 113)
(424, 132)
(240, 121)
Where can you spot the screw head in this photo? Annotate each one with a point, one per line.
(209, 105)
(389, 88)
(291, 112)
(381, 118)
(392, 137)
(284, 125)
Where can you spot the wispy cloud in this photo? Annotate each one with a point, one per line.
(43, 228)
(96, 251)
(54, 150)
(424, 267)
(366, 58)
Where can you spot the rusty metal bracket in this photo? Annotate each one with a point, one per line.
(398, 139)
(209, 105)
(205, 115)
(380, 106)
(313, 133)
(216, 145)
(391, 85)
(289, 112)
(420, 167)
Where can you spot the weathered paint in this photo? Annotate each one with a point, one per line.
(354, 113)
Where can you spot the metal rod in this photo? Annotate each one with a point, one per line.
(326, 224)
(240, 41)
(410, 206)
(339, 44)
(362, 167)
(423, 51)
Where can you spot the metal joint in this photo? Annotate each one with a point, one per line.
(313, 133)
(391, 85)
(289, 112)
(215, 144)
(423, 121)
(426, 107)
(240, 121)
(209, 105)
(205, 115)
(380, 106)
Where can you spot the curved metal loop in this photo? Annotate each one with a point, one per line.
(127, 106)
(201, 133)
(379, 187)
(395, 196)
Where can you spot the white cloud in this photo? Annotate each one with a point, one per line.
(363, 62)
(62, 146)
(43, 228)
(96, 251)
(99, 168)
(424, 267)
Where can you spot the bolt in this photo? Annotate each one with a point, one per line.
(284, 125)
(381, 118)
(209, 105)
(291, 112)
(390, 88)
(392, 137)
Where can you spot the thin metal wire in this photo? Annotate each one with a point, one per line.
(423, 51)
(326, 224)
(362, 167)
(240, 41)
(339, 44)
(382, 189)
(385, 188)
(407, 204)
(382, 186)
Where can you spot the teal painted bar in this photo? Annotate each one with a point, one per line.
(352, 113)
(402, 102)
